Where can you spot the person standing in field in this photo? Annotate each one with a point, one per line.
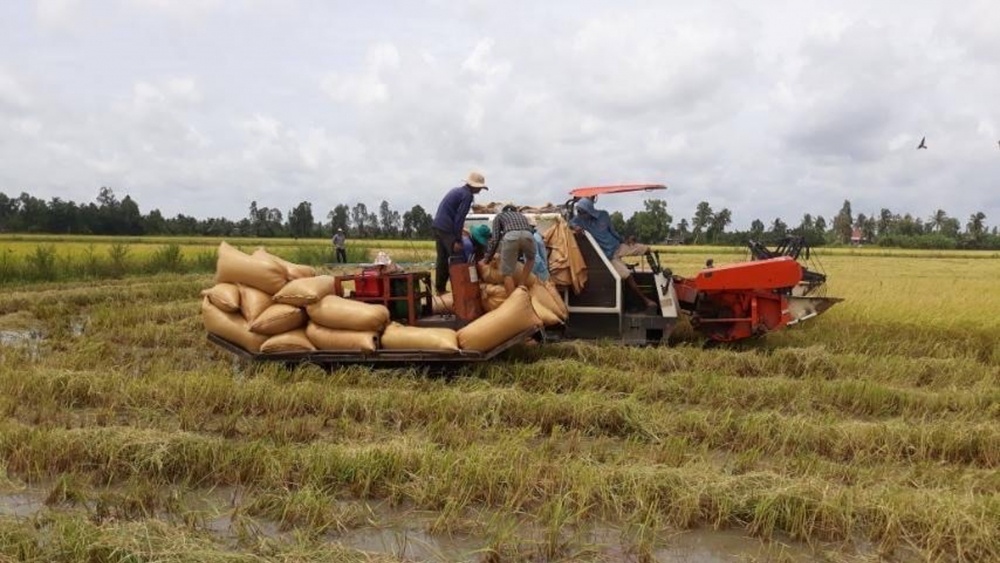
(514, 236)
(340, 246)
(448, 224)
(598, 224)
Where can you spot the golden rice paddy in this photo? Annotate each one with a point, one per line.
(870, 433)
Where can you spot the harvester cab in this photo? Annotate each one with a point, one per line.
(605, 308)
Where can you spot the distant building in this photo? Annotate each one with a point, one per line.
(857, 237)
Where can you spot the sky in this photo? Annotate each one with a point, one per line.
(772, 108)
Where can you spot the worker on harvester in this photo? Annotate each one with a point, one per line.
(598, 224)
(514, 236)
(449, 222)
(474, 242)
(541, 269)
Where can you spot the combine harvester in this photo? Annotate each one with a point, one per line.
(726, 303)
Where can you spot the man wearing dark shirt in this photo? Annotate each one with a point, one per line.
(449, 222)
(512, 232)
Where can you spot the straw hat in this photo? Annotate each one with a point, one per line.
(476, 180)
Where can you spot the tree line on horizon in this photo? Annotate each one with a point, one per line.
(107, 215)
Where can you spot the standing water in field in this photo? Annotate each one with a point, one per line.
(405, 535)
(27, 341)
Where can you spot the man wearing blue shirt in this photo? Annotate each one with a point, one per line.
(449, 222)
(598, 224)
(541, 269)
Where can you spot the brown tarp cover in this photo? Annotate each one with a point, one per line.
(566, 266)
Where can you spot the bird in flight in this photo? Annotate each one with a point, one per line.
(923, 144)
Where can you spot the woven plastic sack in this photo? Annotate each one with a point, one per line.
(292, 341)
(345, 314)
(546, 315)
(225, 296)
(305, 291)
(253, 302)
(230, 326)
(490, 273)
(513, 317)
(443, 304)
(563, 311)
(234, 266)
(341, 340)
(492, 296)
(278, 318)
(292, 270)
(401, 337)
(542, 296)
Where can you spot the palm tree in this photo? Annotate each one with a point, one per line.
(702, 217)
(718, 223)
(975, 226)
(938, 219)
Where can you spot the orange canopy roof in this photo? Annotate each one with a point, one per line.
(599, 190)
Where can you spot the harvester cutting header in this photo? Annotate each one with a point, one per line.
(590, 293)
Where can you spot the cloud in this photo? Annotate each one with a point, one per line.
(630, 64)
(167, 93)
(59, 14)
(185, 12)
(367, 86)
(14, 95)
(778, 110)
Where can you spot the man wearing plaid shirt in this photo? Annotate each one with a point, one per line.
(512, 233)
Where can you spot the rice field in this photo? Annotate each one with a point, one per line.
(871, 433)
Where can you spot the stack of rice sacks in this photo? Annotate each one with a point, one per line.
(545, 299)
(265, 304)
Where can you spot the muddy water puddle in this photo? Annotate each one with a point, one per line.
(20, 505)
(28, 338)
(405, 534)
(22, 331)
(78, 325)
(28, 342)
(697, 546)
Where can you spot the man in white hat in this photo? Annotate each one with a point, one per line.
(449, 222)
(340, 246)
